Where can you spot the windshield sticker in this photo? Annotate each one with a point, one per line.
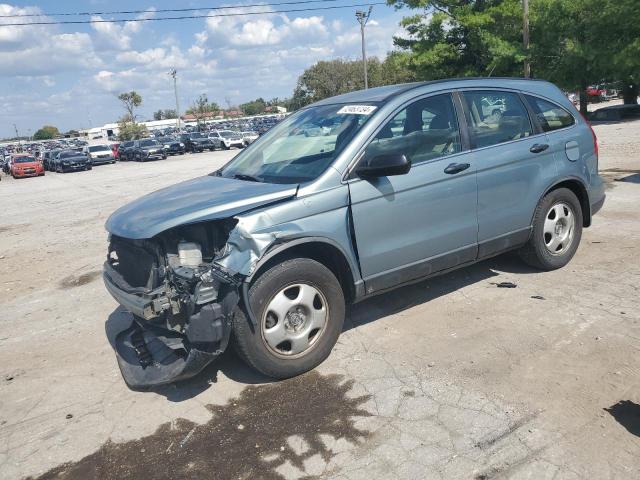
(357, 110)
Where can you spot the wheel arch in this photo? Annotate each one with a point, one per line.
(577, 186)
(322, 250)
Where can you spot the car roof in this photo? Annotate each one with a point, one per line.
(387, 93)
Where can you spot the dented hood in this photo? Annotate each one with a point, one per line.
(197, 200)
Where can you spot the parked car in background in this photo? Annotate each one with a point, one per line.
(173, 146)
(196, 142)
(25, 166)
(146, 149)
(99, 154)
(114, 150)
(125, 149)
(249, 137)
(71, 161)
(227, 139)
(48, 157)
(410, 181)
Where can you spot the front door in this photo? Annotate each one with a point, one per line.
(410, 226)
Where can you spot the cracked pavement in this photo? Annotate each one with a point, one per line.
(449, 378)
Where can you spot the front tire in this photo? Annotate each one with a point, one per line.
(299, 307)
(557, 230)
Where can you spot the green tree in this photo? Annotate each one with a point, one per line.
(130, 101)
(574, 43)
(128, 130)
(169, 114)
(46, 133)
(335, 77)
(203, 109)
(463, 38)
(254, 107)
(166, 114)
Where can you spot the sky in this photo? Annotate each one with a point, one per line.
(69, 75)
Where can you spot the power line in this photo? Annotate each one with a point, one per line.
(162, 10)
(189, 17)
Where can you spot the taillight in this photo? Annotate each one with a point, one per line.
(593, 134)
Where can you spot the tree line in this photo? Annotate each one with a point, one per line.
(573, 43)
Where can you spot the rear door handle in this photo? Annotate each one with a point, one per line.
(538, 148)
(456, 168)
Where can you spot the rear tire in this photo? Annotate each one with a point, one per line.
(557, 230)
(312, 318)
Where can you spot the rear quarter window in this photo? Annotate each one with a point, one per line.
(550, 116)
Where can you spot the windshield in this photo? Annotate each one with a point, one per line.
(23, 160)
(197, 135)
(301, 147)
(148, 143)
(99, 148)
(127, 144)
(69, 154)
(227, 134)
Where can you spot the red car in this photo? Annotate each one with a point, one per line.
(26, 166)
(115, 150)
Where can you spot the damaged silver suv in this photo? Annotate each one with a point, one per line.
(347, 198)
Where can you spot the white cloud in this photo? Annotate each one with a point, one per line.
(116, 36)
(77, 74)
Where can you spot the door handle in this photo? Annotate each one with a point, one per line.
(538, 148)
(456, 168)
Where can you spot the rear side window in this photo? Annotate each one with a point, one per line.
(496, 117)
(424, 130)
(551, 116)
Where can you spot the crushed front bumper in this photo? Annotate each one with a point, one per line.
(150, 356)
(149, 353)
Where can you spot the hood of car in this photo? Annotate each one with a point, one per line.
(197, 200)
(26, 165)
(151, 147)
(77, 158)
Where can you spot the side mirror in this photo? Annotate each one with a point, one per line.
(385, 166)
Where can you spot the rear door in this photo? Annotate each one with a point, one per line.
(513, 159)
(410, 226)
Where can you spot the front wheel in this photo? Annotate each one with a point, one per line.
(299, 307)
(557, 230)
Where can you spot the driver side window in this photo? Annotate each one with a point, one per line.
(424, 130)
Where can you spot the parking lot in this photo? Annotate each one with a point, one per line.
(449, 378)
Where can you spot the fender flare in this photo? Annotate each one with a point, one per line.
(586, 213)
(278, 249)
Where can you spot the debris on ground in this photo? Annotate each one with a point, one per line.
(505, 285)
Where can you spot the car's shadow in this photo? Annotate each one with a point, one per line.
(362, 313)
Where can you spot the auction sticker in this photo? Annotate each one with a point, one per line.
(357, 109)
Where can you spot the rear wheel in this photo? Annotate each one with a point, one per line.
(557, 230)
(299, 307)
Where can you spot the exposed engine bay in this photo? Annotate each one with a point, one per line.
(181, 299)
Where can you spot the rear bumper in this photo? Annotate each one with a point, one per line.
(597, 206)
(596, 195)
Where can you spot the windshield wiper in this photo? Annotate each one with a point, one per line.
(248, 178)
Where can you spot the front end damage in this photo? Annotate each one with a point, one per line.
(182, 288)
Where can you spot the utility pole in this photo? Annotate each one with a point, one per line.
(174, 74)
(525, 38)
(363, 19)
(17, 134)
